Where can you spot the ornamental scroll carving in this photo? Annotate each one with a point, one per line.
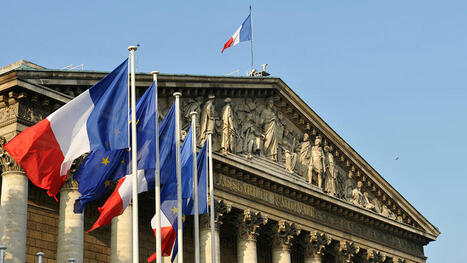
(248, 224)
(7, 163)
(255, 128)
(315, 243)
(283, 233)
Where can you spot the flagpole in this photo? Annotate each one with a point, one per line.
(251, 40)
(179, 178)
(195, 185)
(135, 250)
(211, 199)
(158, 179)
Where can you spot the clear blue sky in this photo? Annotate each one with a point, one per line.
(388, 76)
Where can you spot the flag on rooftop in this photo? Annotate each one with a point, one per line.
(93, 120)
(243, 33)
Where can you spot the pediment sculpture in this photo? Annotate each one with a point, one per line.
(255, 128)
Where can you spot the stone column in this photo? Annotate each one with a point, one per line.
(248, 226)
(315, 243)
(348, 250)
(221, 209)
(283, 233)
(121, 237)
(70, 225)
(13, 208)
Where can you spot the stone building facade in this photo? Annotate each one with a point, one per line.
(287, 187)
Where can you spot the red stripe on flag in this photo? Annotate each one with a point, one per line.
(228, 44)
(168, 236)
(113, 207)
(37, 151)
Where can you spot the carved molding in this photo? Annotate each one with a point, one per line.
(283, 233)
(248, 224)
(348, 250)
(7, 163)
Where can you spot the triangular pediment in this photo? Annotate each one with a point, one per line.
(262, 125)
(277, 132)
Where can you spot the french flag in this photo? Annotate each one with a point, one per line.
(168, 232)
(243, 33)
(121, 197)
(96, 119)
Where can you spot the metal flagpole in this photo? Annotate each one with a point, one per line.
(195, 185)
(251, 40)
(158, 179)
(211, 199)
(179, 178)
(135, 250)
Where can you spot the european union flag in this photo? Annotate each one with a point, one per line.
(95, 175)
(167, 151)
(202, 165)
(93, 179)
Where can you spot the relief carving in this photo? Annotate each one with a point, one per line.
(283, 233)
(254, 128)
(7, 163)
(228, 128)
(249, 223)
(316, 166)
(374, 256)
(348, 250)
(269, 123)
(315, 243)
(208, 118)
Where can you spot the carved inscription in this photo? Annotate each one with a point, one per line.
(253, 192)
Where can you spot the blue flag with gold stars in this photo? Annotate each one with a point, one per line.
(102, 167)
(96, 173)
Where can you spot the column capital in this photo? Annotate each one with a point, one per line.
(315, 242)
(248, 224)
(7, 163)
(374, 256)
(283, 233)
(222, 208)
(399, 260)
(70, 184)
(348, 250)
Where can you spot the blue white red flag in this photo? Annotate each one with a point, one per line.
(120, 198)
(96, 119)
(243, 33)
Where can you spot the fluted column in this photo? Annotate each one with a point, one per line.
(348, 250)
(70, 225)
(221, 208)
(13, 208)
(315, 243)
(121, 236)
(248, 225)
(284, 232)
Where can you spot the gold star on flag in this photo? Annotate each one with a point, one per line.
(123, 161)
(183, 218)
(174, 210)
(107, 183)
(105, 161)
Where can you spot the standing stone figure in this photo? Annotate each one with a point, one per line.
(228, 128)
(270, 130)
(316, 165)
(331, 175)
(192, 105)
(207, 119)
(304, 158)
(290, 155)
(357, 195)
(251, 136)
